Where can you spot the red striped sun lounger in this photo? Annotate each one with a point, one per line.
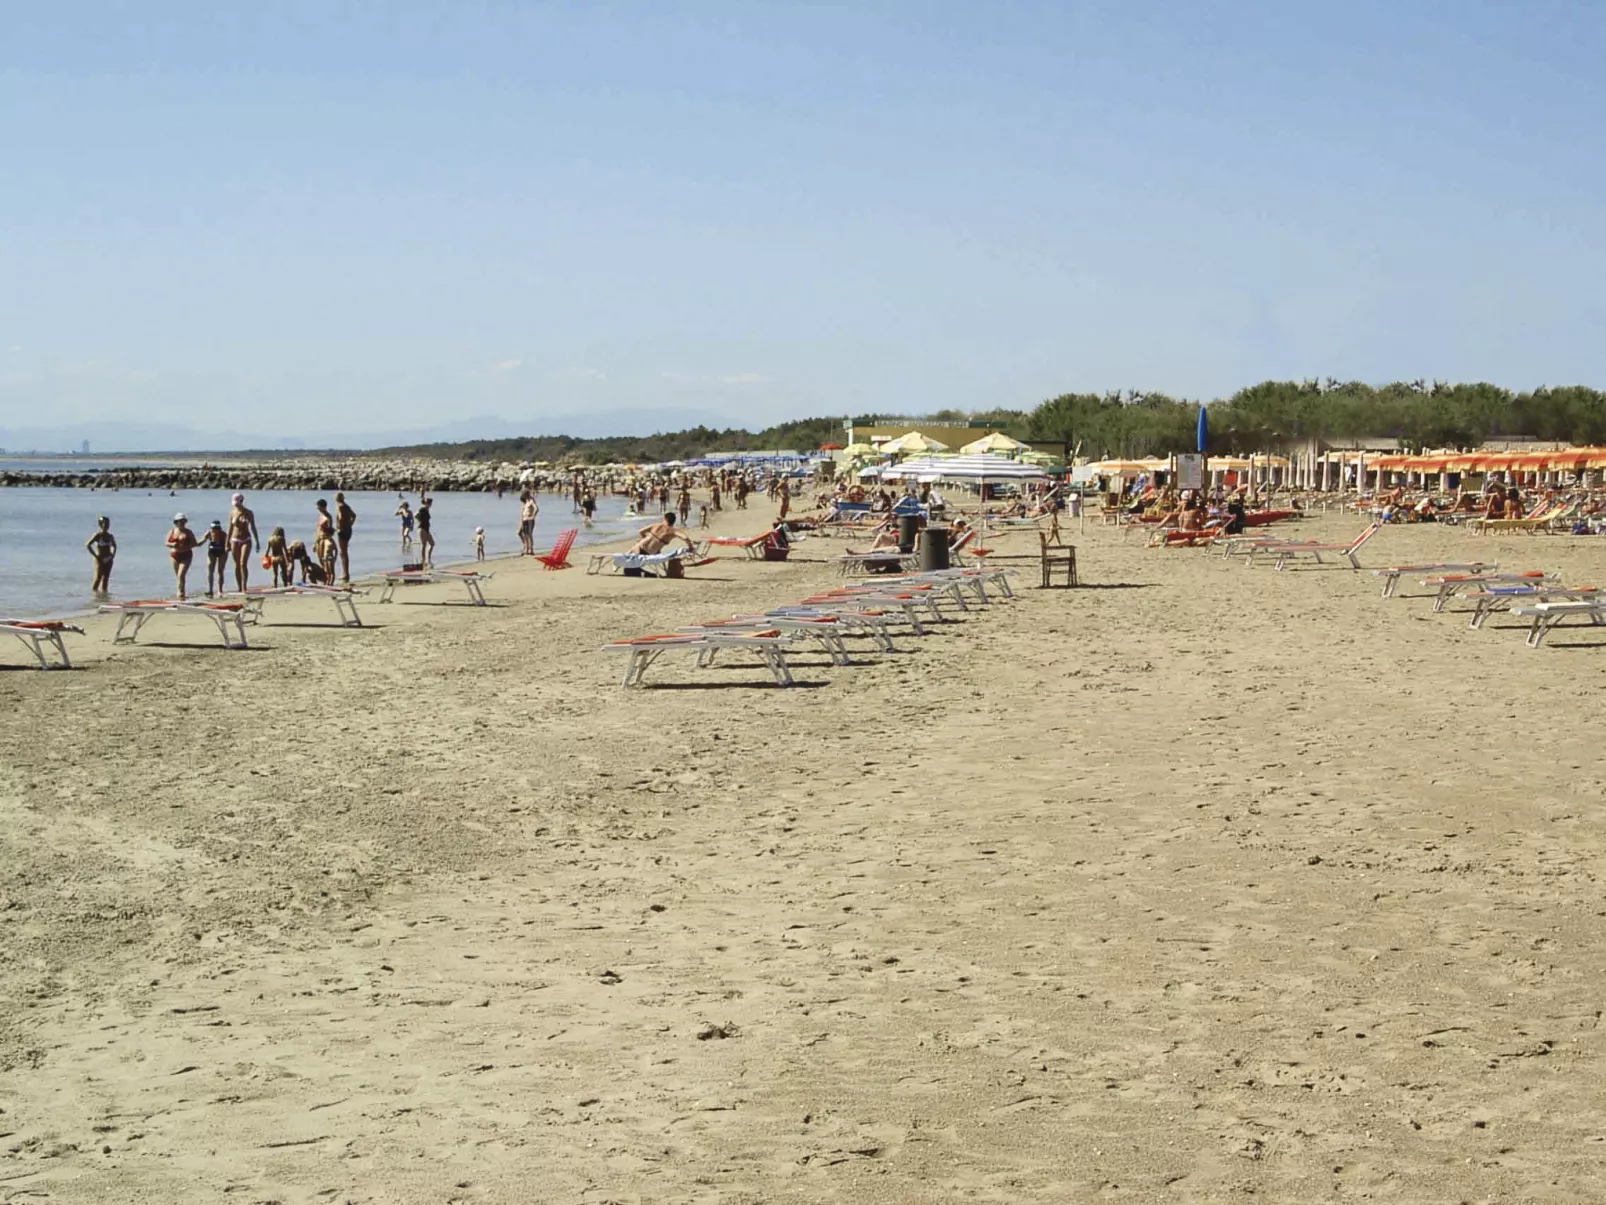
(470, 578)
(40, 635)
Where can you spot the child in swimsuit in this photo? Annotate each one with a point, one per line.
(279, 557)
(217, 556)
(181, 544)
(103, 547)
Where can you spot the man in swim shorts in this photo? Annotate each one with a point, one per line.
(103, 547)
(529, 508)
(656, 538)
(345, 520)
(243, 540)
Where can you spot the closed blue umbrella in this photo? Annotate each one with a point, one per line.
(1204, 430)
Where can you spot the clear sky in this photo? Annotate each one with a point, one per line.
(286, 217)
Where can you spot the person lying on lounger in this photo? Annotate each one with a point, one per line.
(656, 538)
(886, 540)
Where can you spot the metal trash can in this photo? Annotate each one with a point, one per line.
(908, 529)
(933, 549)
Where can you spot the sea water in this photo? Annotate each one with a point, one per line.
(45, 571)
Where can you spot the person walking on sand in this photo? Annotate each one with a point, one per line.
(181, 543)
(243, 540)
(529, 508)
(426, 541)
(345, 520)
(217, 557)
(103, 547)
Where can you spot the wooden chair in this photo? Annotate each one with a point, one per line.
(1056, 555)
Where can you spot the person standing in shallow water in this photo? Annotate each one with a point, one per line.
(103, 547)
(345, 520)
(426, 541)
(181, 543)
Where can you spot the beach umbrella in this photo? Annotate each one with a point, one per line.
(912, 442)
(1203, 434)
(860, 450)
(997, 441)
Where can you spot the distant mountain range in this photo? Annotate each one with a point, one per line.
(110, 437)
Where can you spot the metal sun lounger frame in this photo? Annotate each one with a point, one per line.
(1391, 576)
(1548, 615)
(471, 581)
(1286, 552)
(39, 633)
(826, 630)
(645, 650)
(132, 616)
(1493, 598)
(1451, 585)
(344, 598)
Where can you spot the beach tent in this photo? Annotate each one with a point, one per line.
(912, 443)
(997, 441)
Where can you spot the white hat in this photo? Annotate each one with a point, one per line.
(479, 531)
(237, 498)
(181, 517)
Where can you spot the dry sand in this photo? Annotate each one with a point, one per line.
(1198, 884)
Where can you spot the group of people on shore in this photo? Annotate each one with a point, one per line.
(231, 544)
(235, 542)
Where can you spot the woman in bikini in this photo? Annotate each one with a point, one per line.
(323, 540)
(103, 547)
(243, 540)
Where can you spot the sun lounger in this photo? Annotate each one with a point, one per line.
(42, 634)
(1548, 615)
(827, 630)
(1287, 553)
(132, 616)
(868, 623)
(1529, 523)
(470, 578)
(344, 598)
(558, 557)
(1391, 576)
(889, 560)
(753, 546)
(1451, 584)
(1490, 599)
(768, 645)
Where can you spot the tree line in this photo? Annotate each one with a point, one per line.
(1270, 416)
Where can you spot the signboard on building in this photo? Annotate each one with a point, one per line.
(1190, 472)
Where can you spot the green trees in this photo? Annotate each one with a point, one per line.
(1270, 416)
(1282, 414)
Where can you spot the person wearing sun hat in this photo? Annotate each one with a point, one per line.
(181, 544)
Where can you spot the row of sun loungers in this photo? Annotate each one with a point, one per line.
(869, 608)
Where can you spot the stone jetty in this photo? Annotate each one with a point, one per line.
(408, 476)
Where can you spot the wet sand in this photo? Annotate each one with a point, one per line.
(1201, 883)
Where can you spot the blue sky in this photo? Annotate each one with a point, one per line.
(301, 216)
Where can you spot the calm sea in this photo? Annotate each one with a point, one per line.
(44, 570)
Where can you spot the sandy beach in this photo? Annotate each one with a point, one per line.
(1199, 883)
